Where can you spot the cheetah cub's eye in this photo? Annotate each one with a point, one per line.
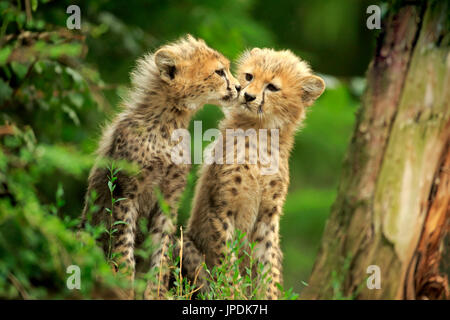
(248, 77)
(271, 87)
(220, 72)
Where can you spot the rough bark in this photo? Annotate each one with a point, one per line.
(393, 203)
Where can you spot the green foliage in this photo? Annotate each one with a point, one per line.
(43, 93)
(37, 241)
(229, 281)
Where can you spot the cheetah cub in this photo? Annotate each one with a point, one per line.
(168, 87)
(277, 89)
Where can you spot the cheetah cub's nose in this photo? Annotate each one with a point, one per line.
(249, 97)
(238, 88)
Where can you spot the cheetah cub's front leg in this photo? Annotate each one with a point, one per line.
(266, 237)
(163, 230)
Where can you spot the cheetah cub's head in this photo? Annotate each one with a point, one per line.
(196, 73)
(277, 87)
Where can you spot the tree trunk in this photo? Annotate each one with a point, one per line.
(393, 204)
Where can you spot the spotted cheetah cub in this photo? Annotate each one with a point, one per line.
(168, 87)
(248, 195)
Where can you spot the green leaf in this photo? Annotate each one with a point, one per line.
(21, 19)
(59, 196)
(4, 54)
(71, 113)
(163, 205)
(110, 186)
(5, 91)
(34, 5)
(75, 75)
(19, 69)
(119, 222)
(77, 99)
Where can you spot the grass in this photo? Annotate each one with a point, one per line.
(228, 281)
(112, 225)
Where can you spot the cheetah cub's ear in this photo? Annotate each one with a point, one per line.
(165, 61)
(312, 88)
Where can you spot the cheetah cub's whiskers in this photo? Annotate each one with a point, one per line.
(277, 88)
(167, 88)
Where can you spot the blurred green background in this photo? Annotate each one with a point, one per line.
(65, 101)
